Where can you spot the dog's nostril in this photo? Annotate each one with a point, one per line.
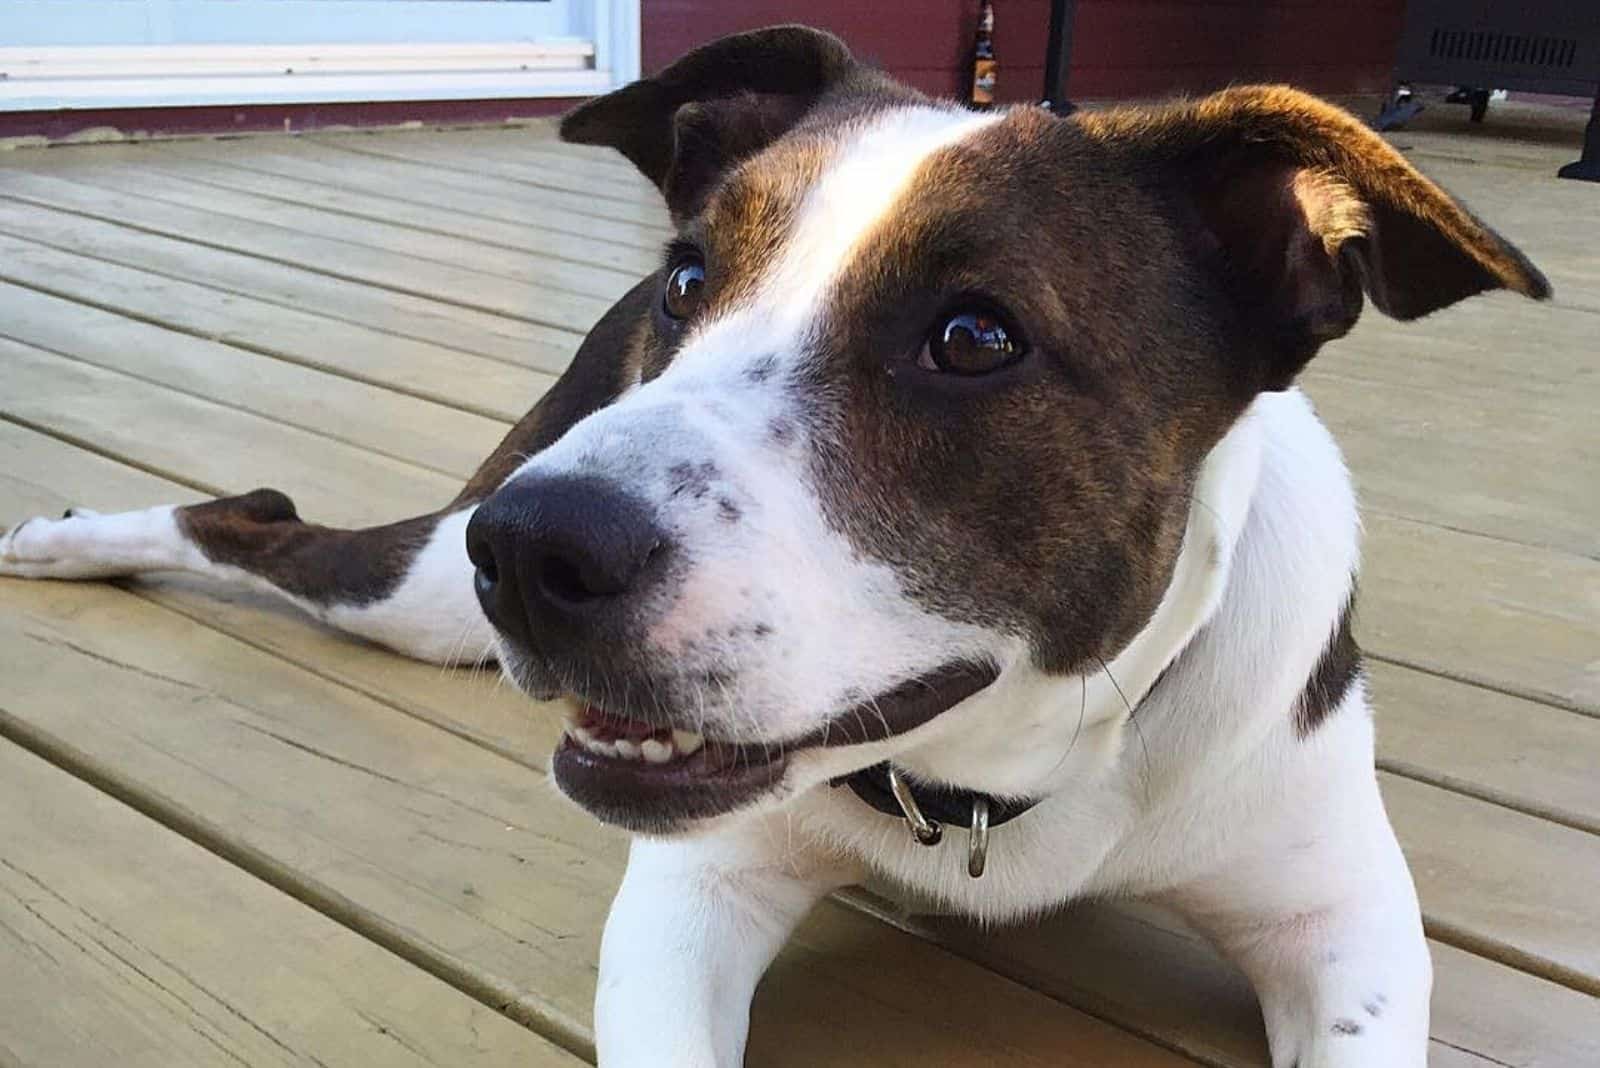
(564, 581)
(485, 579)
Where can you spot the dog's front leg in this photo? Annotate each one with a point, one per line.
(1347, 988)
(693, 927)
(1327, 927)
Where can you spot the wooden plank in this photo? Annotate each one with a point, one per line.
(303, 236)
(526, 167)
(1137, 964)
(1521, 754)
(643, 225)
(503, 337)
(207, 446)
(445, 440)
(1457, 423)
(182, 174)
(602, 196)
(1176, 998)
(469, 855)
(447, 376)
(1502, 884)
(534, 139)
(1513, 617)
(122, 942)
(429, 281)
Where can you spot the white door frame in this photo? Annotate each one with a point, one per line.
(604, 54)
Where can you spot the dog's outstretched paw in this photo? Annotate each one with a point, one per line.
(42, 548)
(87, 545)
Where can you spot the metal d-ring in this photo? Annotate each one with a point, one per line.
(922, 828)
(978, 838)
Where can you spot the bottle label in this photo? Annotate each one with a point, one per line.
(984, 75)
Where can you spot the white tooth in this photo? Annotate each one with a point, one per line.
(656, 751)
(583, 736)
(627, 748)
(687, 741)
(603, 747)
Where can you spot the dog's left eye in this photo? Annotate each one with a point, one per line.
(972, 342)
(684, 284)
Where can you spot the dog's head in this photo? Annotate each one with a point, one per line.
(916, 403)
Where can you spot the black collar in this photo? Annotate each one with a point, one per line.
(942, 804)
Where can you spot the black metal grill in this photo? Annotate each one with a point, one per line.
(1478, 46)
(1538, 46)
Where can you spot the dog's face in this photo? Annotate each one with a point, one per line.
(916, 403)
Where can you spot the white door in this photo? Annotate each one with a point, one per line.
(152, 53)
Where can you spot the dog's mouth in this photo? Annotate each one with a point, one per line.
(656, 779)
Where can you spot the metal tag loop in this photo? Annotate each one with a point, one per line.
(922, 828)
(978, 838)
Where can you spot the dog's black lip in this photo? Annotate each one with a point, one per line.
(662, 798)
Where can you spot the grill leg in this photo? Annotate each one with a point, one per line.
(1587, 167)
(1479, 99)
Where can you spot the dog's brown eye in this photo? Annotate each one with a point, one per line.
(684, 283)
(970, 343)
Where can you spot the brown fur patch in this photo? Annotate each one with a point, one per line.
(260, 532)
(1429, 250)
(1048, 499)
(1337, 670)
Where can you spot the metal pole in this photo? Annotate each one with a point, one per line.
(1058, 56)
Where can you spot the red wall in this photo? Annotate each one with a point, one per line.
(1120, 48)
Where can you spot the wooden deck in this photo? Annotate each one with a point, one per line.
(229, 837)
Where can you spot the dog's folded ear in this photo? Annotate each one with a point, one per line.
(720, 103)
(1303, 208)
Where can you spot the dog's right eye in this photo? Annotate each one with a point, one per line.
(685, 282)
(970, 342)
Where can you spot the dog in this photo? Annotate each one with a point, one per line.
(943, 508)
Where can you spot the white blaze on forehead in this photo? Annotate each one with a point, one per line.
(861, 187)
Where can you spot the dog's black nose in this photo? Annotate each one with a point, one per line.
(559, 553)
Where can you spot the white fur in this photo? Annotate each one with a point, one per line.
(84, 545)
(1276, 846)
(432, 615)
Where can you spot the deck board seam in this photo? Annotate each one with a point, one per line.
(1541, 697)
(266, 352)
(528, 1011)
(422, 294)
(108, 454)
(502, 175)
(532, 224)
(653, 230)
(43, 201)
(1541, 546)
(1457, 785)
(251, 295)
(213, 402)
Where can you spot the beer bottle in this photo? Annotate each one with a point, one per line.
(985, 67)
